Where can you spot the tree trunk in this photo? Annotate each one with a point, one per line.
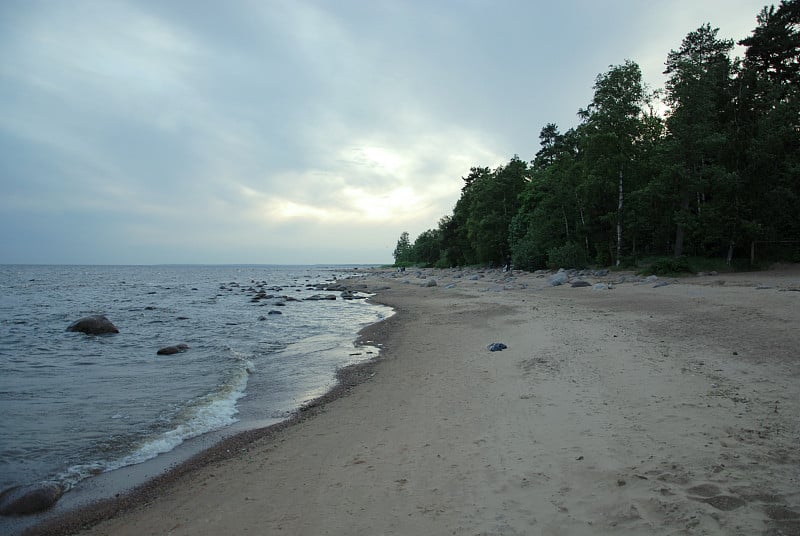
(583, 225)
(679, 231)
(619, 220)
(679, 241)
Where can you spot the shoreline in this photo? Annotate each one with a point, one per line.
(638, 410)
(85, 515)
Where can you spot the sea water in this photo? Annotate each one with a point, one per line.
(74, 405)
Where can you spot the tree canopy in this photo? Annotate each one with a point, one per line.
(717, 170)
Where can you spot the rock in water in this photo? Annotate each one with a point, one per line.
(93, 325)
(496, 347)
(169, 350)
(24, 500)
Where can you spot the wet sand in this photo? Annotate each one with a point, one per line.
(635, 410)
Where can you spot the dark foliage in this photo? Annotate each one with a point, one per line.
(716, 172)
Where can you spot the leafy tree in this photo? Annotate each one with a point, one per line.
(403, 252)
(767, 144)
(427, 247)
(550, 206)
(453, 242)
(699, 76)
(614, 127)
(478, 229)
(773, 50)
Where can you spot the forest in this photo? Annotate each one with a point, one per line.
(708, 166)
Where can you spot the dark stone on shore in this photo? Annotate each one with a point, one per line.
(576, 284)
(93, 325)
(25, 500)
(169, 350)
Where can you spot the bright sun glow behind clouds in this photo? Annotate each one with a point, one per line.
(405, 186)
(355, 205)
(384, 161)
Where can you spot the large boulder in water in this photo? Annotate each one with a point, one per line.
(93, 325)
(176, 349)
(318, 297)
(24, 500)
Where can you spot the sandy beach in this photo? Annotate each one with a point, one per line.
(639, 409)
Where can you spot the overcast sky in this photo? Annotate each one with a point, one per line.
(289, 131)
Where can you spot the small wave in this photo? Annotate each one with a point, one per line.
(212, 412)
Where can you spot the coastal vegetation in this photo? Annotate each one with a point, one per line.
(708, 166)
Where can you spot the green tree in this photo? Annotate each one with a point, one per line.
(460, 250)
(428, 247)
(614, 128)
(403, 251)
(774, 46)
(698, 93)
(452, 243)
(766, 154)
(490, 203)
(551, 208)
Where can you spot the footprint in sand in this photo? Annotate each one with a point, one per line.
(781, 513)
(711, 494)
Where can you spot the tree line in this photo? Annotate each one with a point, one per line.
(706, 166)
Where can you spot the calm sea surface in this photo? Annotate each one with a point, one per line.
(74, 405)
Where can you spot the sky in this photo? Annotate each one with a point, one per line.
(289, 132)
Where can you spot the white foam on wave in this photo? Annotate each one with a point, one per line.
(212, 412)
